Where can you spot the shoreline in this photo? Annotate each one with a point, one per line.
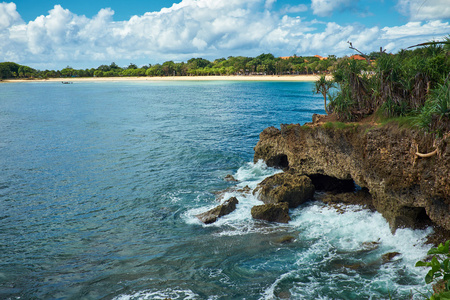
(287, 78)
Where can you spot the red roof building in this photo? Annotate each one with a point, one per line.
(357, 57)
(320, 57)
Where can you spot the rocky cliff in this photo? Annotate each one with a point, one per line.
(406, 188)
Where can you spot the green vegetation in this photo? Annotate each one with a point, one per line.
(264, 64)
(439, 274)
(413, 85)
(323, 86)
(338, 125)
(13, 70)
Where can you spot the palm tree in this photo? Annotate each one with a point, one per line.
(323, 85)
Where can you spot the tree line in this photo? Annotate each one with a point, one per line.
(264, 64)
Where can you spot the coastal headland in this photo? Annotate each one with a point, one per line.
(385, 163)
(300, 78)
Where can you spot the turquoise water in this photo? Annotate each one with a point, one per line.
(100, 183)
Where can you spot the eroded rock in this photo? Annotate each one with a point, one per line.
(286, 187)
(286, 239)
(278, 212)
(382, 159)
(370, 246)
(212, 215)
(387, 257)
(359, 198)
(243, 192)
(230, 178)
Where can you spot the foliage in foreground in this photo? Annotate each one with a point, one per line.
(439, 274)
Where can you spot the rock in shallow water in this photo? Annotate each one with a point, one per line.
(230, 177)
(286, 187)
(212, 215)
(286, 239)
(278, 212)
(387, 257)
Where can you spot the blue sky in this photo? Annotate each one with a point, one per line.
(55, 33)
(123, 10)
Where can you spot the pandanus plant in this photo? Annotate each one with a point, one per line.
(323, 85)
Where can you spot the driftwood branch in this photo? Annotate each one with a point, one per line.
(425, 155)
(367, 57)
(351, 47)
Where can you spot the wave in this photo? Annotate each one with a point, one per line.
(160, 294)
(345, 256)
(239, 221)
(339, 249)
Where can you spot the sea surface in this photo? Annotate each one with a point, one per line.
(100, 183)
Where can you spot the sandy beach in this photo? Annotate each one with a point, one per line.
(180, 78)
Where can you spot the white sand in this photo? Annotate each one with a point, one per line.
(180, 78)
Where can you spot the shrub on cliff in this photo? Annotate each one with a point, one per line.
(397, 85)
(353, 98)
(323, 86)
(434, 116)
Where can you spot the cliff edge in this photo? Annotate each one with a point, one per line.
(405, 188)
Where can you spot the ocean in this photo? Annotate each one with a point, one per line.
(101, 182)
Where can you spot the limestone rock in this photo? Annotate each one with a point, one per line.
(405, 189)
(287, 239)
(278, 212)
(224, 209)
(316, 118)
(286, 187)
(230, 177)
(370, 246)
(387, 257)
(359, 198)
(243, 192)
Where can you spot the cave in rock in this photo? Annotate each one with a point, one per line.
(412, 217)
(331, 184)
(279, 161)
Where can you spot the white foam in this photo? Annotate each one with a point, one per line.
(337, 238)
(162, 294)
(253, 173)
(239, 221)
(269, 293)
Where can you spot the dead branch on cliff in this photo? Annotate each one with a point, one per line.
(425, 155)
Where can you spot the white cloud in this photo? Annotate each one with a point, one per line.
(330, 41)
(199, 43)
(420, 10)
(333, 40)
(415, 32)
(8, 15)
(269, 4)
(191, 28)
(325, 8)
(294, 9)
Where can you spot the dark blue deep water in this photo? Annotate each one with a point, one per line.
(100, 183)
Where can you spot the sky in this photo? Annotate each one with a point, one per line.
(53, 34)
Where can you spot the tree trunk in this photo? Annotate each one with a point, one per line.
(325, 102)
